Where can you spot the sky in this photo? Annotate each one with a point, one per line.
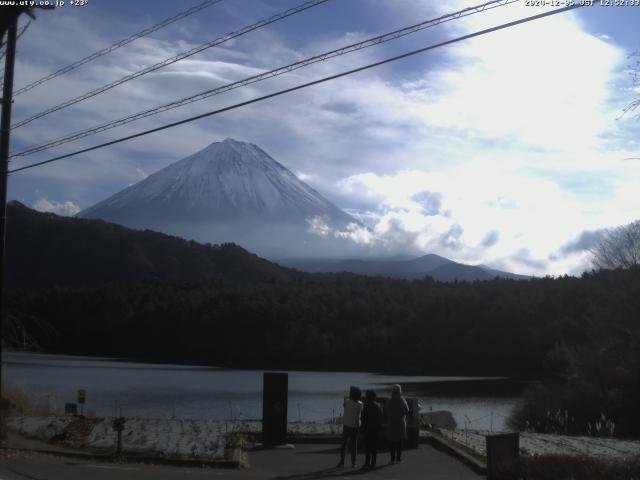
(510, 149)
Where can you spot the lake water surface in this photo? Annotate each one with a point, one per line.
(163, 391)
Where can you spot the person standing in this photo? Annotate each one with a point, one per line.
(371, 421)
(351, 425)
(397, 411)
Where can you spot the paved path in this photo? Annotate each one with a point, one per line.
(310, 462)
(306, 462)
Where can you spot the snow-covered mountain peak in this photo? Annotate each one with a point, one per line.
(226, 180)
(229, 156)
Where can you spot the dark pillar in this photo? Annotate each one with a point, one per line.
(502, 450)
(274, 408)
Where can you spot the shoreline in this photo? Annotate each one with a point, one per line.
(499, 387)
(302, 369)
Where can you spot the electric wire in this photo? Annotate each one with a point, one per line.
(266, 75)
(174, 59)
(115, 46)
(4, 50)
(20, 33)
(301, 86)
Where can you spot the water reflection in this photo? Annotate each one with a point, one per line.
(157, 390)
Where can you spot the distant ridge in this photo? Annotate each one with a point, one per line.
(46, 250)
(435, 266)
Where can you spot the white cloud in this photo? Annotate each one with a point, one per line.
(485, 215)
(66, 208)
(319, 226)
(521, 87)
(354, 232)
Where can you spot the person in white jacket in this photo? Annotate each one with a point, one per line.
(351, 425)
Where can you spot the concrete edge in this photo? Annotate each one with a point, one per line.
(321, 439)
(234, 463)
(312, 438)
(452, 448)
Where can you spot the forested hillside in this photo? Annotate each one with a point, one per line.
(341, 321)
(46, 250)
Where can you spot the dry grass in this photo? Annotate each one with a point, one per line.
(21, 403)
(9, 454)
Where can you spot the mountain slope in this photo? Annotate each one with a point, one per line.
(228, 179)
(45, 250)
(230, 191)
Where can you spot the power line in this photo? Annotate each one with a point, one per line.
(301, 86)
(4, 52)
(20, 33)
(169, 61)
(266, 75)
(121, 43)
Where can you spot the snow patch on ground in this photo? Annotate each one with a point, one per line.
(40, 427)
(170, 437)
(547, 444)
(194, 438)
(208, 438)
(191, 438)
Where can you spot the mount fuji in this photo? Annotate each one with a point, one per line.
(230, 191)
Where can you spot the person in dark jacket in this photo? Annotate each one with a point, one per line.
(397, 411)
(370, 425)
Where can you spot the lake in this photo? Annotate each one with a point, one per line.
(162, 391)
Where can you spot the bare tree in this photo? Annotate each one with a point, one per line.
(618, 247)
(634, 68)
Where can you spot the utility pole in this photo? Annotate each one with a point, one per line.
(8, 25)
(5, 130)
